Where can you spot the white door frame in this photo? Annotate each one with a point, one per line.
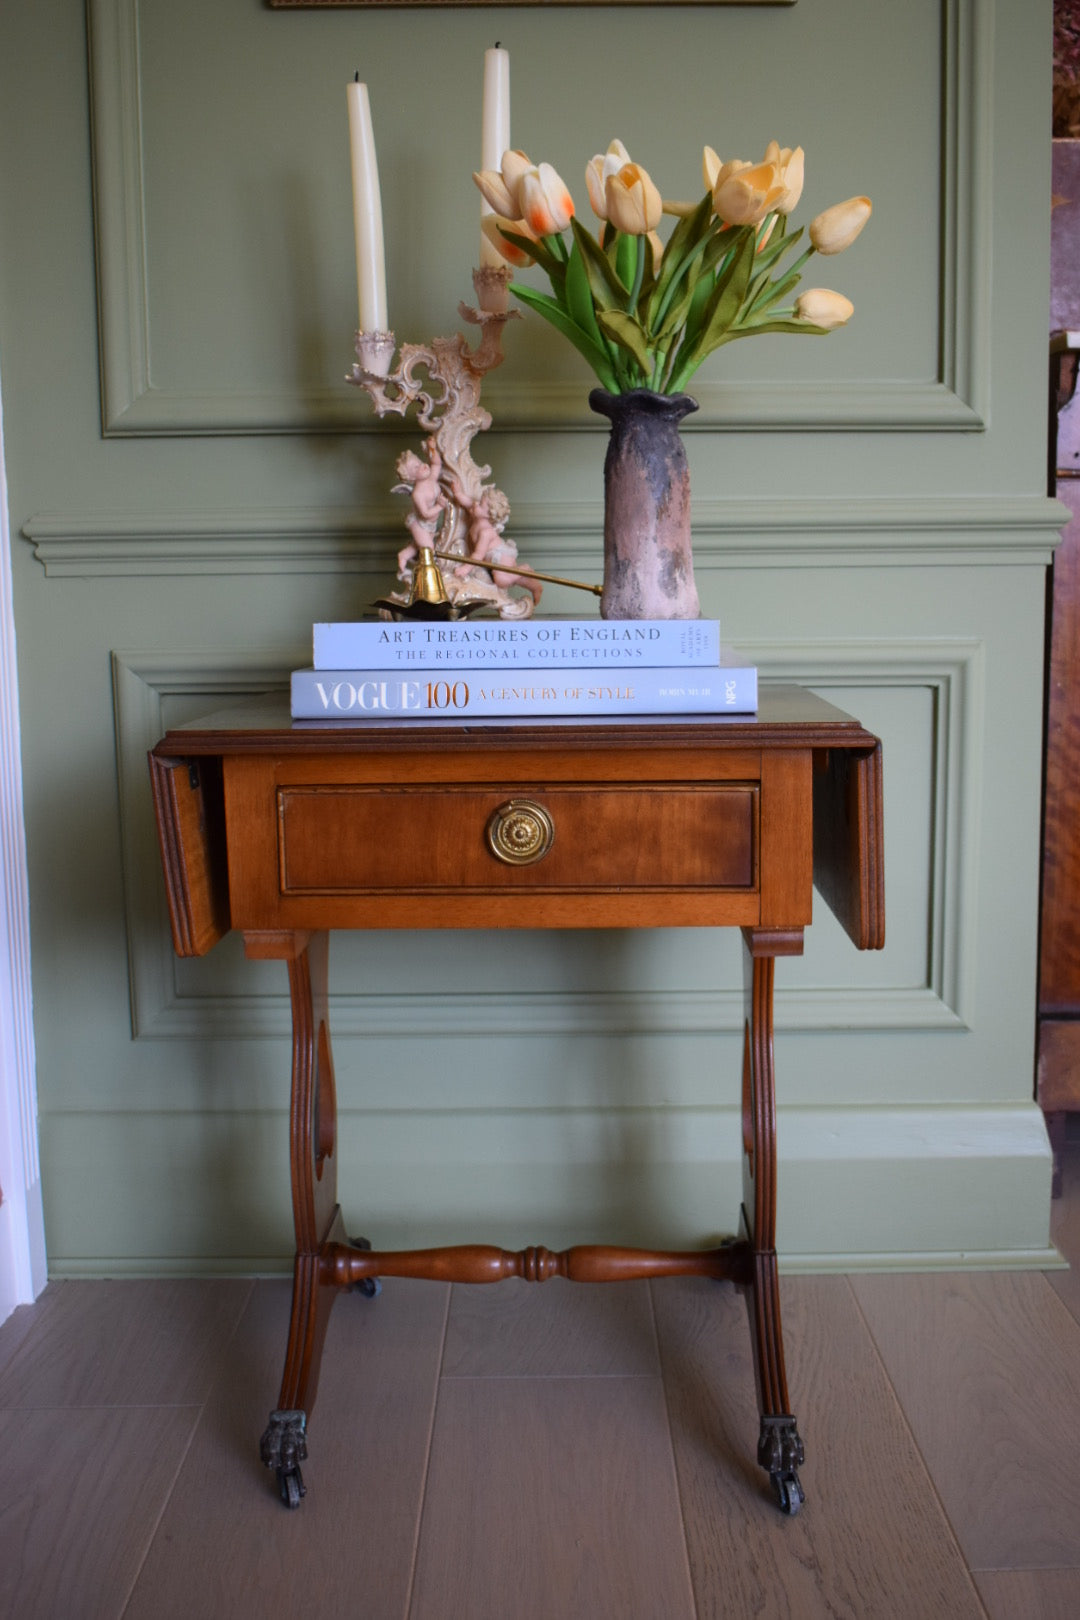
(22, 1227)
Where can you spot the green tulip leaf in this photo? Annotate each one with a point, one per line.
(777, 245)
(687, 241)
(579, 298)
(680, 285)
(606, 287)
(695, 314)
(556, 246)
(537, 251)
(587, 346)
(628, 334)
(721, 250)
(764, 293)
(689, 232)
(804, 328)
(730, 291)
(678, 313)
(721, 311)
(775, 293)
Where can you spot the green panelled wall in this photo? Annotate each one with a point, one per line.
(192, 485)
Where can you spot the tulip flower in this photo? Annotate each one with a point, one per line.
(838, 226)
(495, 192)
(515, 165)
(649, 316)
(546, 205)
(528, 191)
(789, 169)
(599, 170)
(492, 226)
(622, 192)
(745, 192)
(634, 205)
(820, 307)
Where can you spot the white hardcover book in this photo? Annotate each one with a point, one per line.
(432, 694)
(520, 644)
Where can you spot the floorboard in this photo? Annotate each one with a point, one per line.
(517, 1329)
(554, 1453)
(1031, 1594)
(80, 1496)
(24, 1319)
(551, 1499)
(124, 1343)
(227, 1547)
(987, 1368)
(871, 1542)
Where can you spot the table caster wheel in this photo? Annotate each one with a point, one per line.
(780, 1451)
(283, 1448)
(790, 1495)
(370, 1287)
(291, 1485)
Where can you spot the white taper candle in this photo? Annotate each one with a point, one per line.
(367, 213)
(495, 130)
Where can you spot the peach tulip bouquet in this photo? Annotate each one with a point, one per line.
(645, 314)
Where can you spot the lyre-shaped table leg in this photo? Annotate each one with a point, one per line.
(316, 1216)
(780, 1450)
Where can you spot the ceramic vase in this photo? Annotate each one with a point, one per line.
(648, 562)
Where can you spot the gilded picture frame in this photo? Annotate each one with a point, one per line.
(310, 5)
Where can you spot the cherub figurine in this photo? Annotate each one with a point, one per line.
(420, 481)
(487, 517)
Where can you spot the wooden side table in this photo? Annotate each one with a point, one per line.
(287, 830)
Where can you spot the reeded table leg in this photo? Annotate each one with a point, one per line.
(316, 1216)
(780, 1449)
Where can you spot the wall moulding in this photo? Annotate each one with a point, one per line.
(953, 671)
(870, 532)
(144, 682)
(137, 402)
(918, 532)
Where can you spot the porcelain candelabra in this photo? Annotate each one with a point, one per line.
(454, 511)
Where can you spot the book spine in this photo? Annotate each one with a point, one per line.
(528, 644)
(360, 695)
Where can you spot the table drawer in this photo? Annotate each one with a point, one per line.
(357, 839)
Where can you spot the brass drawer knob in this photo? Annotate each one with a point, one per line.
(520, 832)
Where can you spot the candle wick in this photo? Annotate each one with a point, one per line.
(356, 77)
(498, 44)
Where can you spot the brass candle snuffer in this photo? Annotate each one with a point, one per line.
(428, 598)
(456, 516)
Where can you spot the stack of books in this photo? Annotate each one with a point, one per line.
(427, 670)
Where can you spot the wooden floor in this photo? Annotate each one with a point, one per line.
(548, 1453)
